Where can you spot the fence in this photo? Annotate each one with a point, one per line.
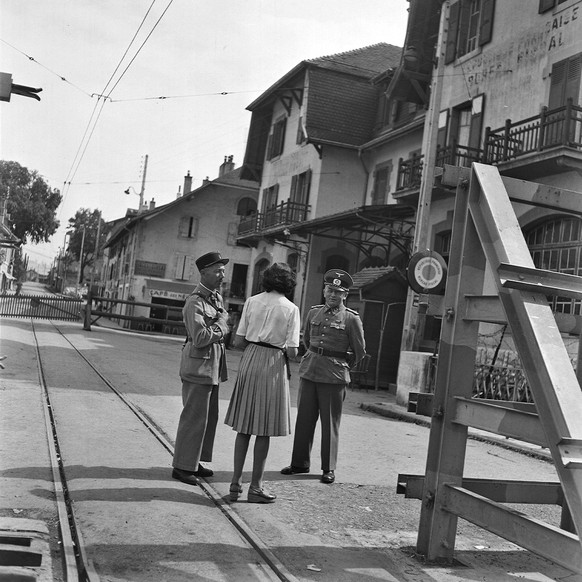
(41, 307)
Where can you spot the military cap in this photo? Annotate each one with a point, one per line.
(210, 259)
(339, 279)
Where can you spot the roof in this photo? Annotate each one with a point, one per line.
(230, 180)
(339, 104)
(370, 275)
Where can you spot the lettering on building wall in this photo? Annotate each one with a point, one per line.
(560, 26)
(168, 294)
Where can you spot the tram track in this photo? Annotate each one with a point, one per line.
(77, 565)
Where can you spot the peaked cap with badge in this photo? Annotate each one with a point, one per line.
(210, 259)
(339, 279)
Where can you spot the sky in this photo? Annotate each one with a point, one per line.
(166, 79)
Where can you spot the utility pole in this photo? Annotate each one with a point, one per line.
(143, 180)
(413, 326)
(81, 258)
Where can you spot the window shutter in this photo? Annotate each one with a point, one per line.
(275, 195)
(546, 5)
(486, 29)
(451, 50)
(572, 90)
(187, 273)
(269, 146)
(308, 175)
(179, 266)
(443, 127)
(294, 197)
(557, 84)
(476, 123)
(184, 226)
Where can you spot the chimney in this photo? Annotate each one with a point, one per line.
(205, 181)
(187, 183)
(152, 204)
(179, 192)
(226, 166)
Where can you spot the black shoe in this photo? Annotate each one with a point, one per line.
(292, 470)
(185, 476)
(203, 472)
(260, 496)
(328, 477)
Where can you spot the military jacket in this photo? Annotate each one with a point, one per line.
(203, 358)
(327, 331)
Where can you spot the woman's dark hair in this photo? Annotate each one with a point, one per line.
(279, 277)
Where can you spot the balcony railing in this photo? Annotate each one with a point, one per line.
(552, 128)
(560, 127)
(284, 213)
(410, 170)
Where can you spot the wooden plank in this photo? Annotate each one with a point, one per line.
(483, 415)
(545, 540)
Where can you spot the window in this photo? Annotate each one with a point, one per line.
(270, 197)
(565, 82)
(470, 26)
(546, 5)
(188, 227)
(246, 206)
(300, 186)
(556, 245)
(381, 184)
(301, 138)
(442, 244)
(276, 139)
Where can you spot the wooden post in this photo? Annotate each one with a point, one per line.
(87, 314)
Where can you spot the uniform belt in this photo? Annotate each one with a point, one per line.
(328, 353)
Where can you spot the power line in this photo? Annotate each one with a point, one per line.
(30, 58)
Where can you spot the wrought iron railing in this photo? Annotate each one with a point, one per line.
(551, 128)
(288, 212)
(410, 170)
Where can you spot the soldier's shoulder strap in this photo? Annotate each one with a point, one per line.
(349, 309)
(317, 306)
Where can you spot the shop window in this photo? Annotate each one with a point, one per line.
(556, 245)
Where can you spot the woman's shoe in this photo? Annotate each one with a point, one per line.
(235, 491)
(256, 495)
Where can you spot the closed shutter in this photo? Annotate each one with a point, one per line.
(294, 194)
(486, 28)
(546, 5)
(451, 51)
(565, 82)
(184, 226)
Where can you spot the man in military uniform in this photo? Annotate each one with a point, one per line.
(202, 367)
(331, 331)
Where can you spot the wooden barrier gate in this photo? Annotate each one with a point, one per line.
(486, 232)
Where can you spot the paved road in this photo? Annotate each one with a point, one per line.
(356, 529)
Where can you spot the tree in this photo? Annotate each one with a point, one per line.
(84, 227)
(30, 201)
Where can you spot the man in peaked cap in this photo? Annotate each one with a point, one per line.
(202, 367)
(331, 331)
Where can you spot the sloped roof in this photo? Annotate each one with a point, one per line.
(370, 275)
(230, 179)
(367, 62)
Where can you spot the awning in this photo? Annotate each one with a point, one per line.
(169, 289)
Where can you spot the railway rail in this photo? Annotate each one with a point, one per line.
(77, 563)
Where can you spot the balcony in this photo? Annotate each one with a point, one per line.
(544, 144)
(284, 214)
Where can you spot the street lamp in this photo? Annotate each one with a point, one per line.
(140, 194)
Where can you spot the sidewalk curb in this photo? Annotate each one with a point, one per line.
(398, 413)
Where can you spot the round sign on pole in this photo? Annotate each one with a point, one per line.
(427, 273)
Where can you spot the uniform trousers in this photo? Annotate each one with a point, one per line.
(318, 400)
(197, 426)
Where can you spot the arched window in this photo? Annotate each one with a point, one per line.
(246, 206)
(556, 245)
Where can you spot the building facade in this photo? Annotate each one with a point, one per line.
(150, 256)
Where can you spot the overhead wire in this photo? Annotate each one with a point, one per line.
(104, 96)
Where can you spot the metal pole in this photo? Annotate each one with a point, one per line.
(143, 180)
(80, 278)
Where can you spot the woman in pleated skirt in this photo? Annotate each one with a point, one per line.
(260, 402)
